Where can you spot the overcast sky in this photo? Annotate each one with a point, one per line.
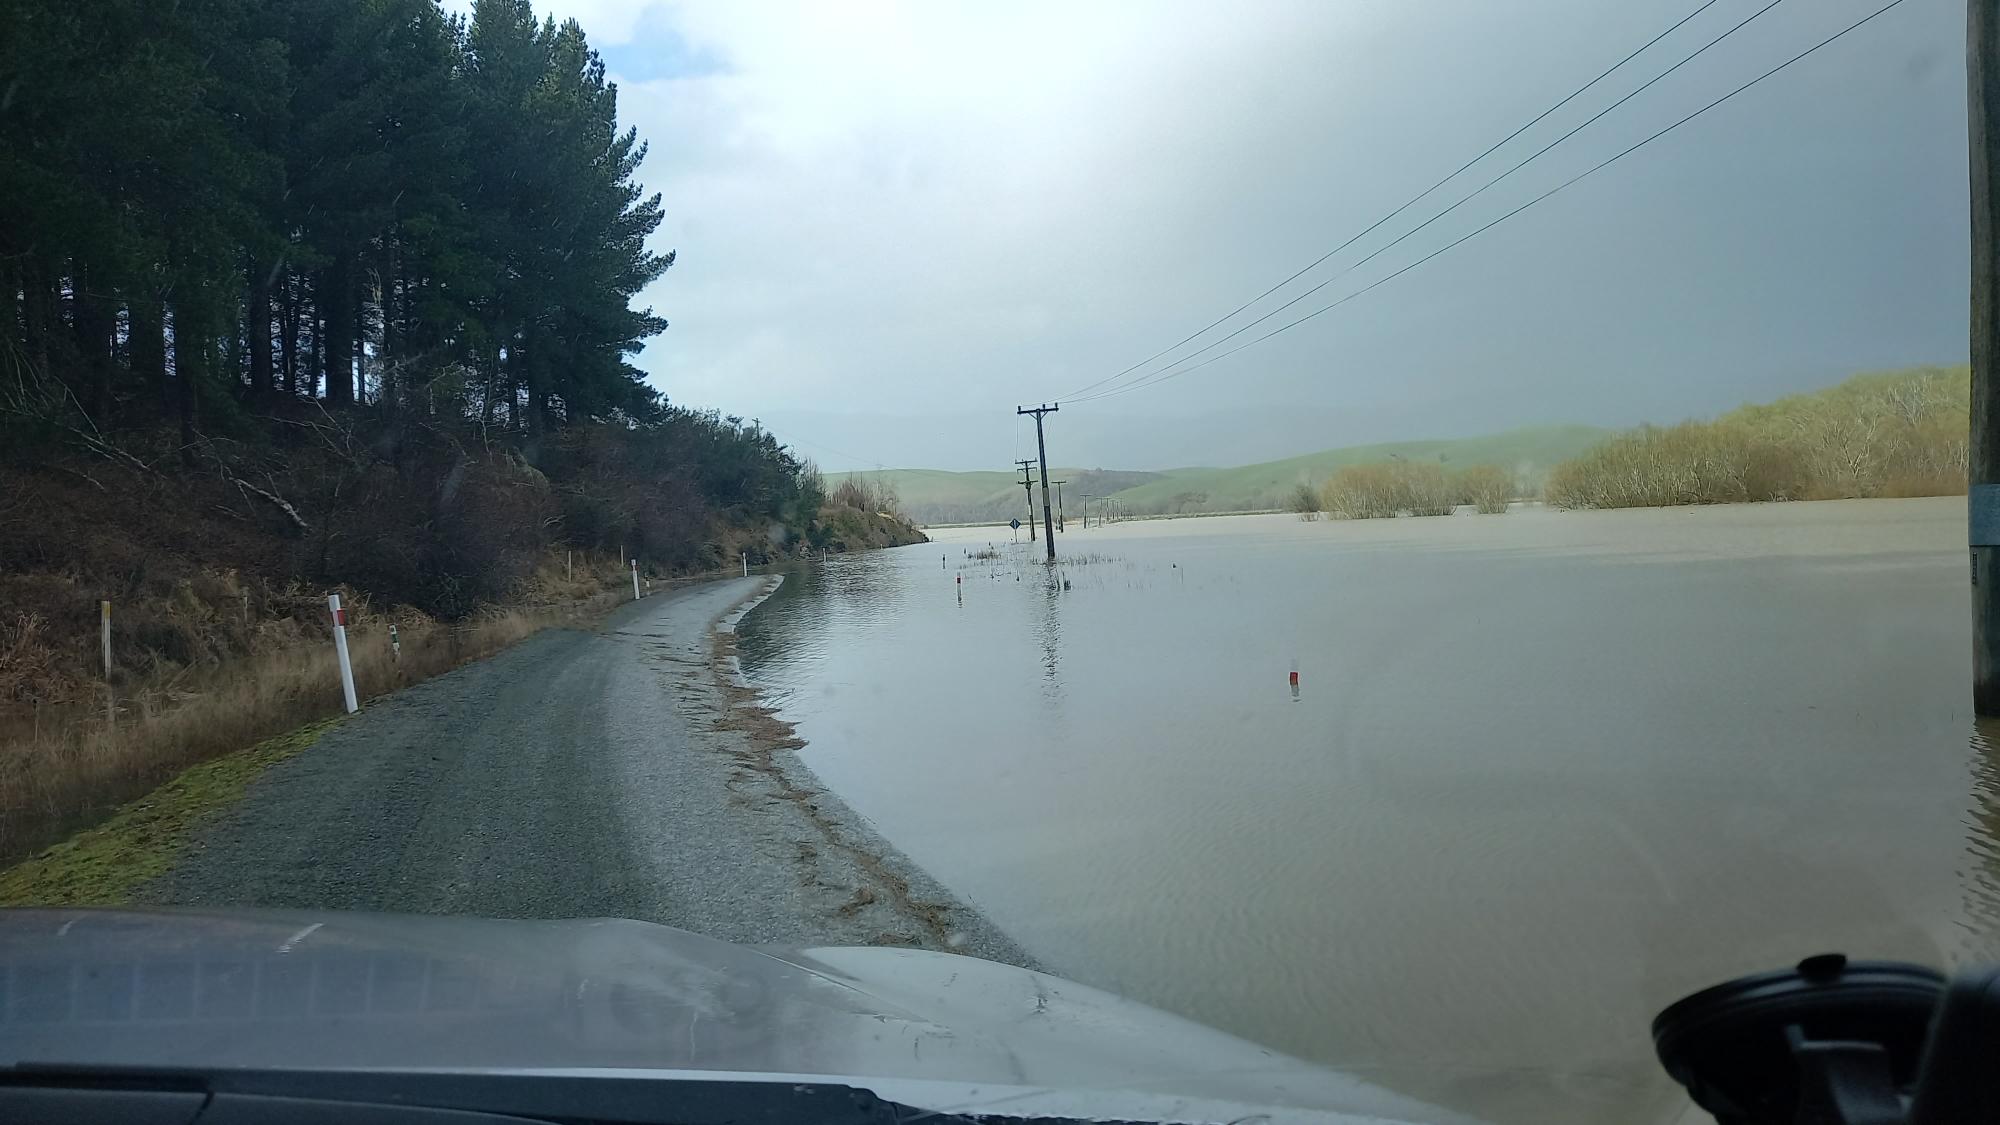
(896, 222)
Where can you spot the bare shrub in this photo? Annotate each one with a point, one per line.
(1894, 434)
(1487, 488)
(1387, 489)
(1426, 489)
(1363, 492)
(1304, 501)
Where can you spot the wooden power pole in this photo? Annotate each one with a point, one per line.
(1982, 66)
(1042, 451)
(1028, 483)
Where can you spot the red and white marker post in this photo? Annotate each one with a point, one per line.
(340, 650)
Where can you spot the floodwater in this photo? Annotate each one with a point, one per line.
(1543, 772)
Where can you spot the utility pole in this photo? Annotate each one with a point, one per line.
(1042, 451)
(1062, 520)
(1028, 483)
(1982, 73)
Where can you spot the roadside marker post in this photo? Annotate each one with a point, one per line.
(340, 650)
(635, 580)
(746, 564)
(395, 643)
(104, 631)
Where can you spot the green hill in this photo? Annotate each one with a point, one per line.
(1526, 453)
(934, 496)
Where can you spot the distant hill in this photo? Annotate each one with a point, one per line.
(934, 496)
(1526, 453)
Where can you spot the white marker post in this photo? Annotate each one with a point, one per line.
(104, 630)
(340, 650)
(635, 580)
(395, 643)
(746, 564)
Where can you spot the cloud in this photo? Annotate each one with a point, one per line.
(918, 214)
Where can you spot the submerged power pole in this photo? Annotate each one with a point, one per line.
(1042, 449)
(1982, 73)
(1062, 518)
(1028, 483)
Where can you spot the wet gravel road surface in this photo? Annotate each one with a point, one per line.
(612, 772)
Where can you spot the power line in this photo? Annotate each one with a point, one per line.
(1468, 197)
(1161, 377)
(1408, 203)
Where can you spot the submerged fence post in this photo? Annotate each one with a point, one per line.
(340, 650)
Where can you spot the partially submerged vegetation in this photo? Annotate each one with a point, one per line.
(1900, 433)
(933, 496)
(1389, 489)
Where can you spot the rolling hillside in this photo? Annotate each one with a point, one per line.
(935, 496)
(1526, 453)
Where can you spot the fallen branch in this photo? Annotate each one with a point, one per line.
(280, 502)
(223, 470)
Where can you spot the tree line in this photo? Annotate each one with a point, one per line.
(346, 288)
(214, 202)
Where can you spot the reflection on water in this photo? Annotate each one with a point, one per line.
(1554, 771)
(1982, 899)
(1048, 633)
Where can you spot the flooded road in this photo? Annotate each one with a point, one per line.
(1543, 772)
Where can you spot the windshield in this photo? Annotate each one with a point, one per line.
(1411, 536)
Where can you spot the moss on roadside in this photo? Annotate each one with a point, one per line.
(102, 866)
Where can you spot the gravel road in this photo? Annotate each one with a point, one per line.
(619, 772)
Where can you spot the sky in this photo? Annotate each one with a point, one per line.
(897, 222)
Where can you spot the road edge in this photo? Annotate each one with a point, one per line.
(766, 752)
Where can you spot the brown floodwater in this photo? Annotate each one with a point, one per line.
(1543, 773)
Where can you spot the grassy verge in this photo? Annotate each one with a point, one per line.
(101, 866)
(62, 769)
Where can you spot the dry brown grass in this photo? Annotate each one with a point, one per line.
(64, 766)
